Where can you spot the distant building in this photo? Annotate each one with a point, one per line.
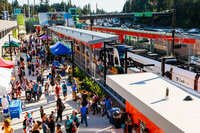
(58, 18)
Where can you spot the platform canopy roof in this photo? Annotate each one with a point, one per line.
(147, 91)
(85, 36)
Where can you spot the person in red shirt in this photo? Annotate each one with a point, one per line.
(57, 89)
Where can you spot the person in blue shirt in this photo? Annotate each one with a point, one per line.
(74, 90)
(35, 91)
(83, 113)
(108, 104)
(64, 88)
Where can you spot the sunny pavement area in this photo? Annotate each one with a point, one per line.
(96, 123)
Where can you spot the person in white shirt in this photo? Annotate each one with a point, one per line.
(5, 105)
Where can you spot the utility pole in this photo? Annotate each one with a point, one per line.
(29, 15)
(33, 7)
(64, 7)
(10, 47)
(173, 30)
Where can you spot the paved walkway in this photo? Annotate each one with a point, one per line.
(96, 123)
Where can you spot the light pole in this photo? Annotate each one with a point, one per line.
(173, 11)
(10, 47)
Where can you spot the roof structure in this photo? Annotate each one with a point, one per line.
(146, 92)
(7, 24)
(85, 36)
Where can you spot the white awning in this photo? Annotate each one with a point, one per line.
(22, 32)
(5, 77)
(85, 36)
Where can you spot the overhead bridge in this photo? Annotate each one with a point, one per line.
(119, 15)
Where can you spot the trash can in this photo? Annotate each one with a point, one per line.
(117, 118)
(110, 114)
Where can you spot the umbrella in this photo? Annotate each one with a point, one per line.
(45, 37)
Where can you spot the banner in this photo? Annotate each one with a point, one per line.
(20, 19)
(68, 19)
(43, 19)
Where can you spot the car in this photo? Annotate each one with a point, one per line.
(123, 26)
(193, 30)
(179, 30)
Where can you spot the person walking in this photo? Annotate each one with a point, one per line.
(58, 78)
(36, 91)
(40, 90)
(83, 113)
(94, 103)
(29, 68)
(64, 88)
(57, 89)
(47, 92)
(60, 108)
(32, 68)
(45, 124)
(5, 105)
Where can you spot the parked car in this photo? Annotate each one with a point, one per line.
(179, 30)
(193, 30)
(123, 26)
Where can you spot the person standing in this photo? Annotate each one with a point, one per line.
(57, 89)
(29, 68)
(32, 68)
(64, 88)
(129, 123)
(45, 124)
(36, 91)
(51, 124)
(60, 107)
(58, 78)
(5, 105)
(124, 116)
(74, 90)
(58, 129)
(94, 103)
(47, 92)
(40, 90)
(68, 125)
(7, 126)
(83, 113)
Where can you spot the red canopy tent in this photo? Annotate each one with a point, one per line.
(6, 63)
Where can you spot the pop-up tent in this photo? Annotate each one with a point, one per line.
(13, 44)
(45, 37)
(5, 78)
(60, 49)
(15, 40)
(6, 63)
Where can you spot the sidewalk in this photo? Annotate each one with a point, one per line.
(96, 123)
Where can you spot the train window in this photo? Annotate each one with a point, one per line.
(116, 61)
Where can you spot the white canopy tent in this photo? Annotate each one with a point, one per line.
(5, 77)
(22, 32)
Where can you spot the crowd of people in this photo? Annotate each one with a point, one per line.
(40, 62)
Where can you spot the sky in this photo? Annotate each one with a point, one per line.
(107, 5)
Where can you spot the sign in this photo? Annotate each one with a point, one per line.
(139, 14)
(148, 14)
(43, 19)
(20, 19)
(17, 11)
(68, 19)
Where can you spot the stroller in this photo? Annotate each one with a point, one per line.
(28, 95)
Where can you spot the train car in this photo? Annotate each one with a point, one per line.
(187, 78)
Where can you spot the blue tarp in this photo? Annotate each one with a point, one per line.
(60, 49)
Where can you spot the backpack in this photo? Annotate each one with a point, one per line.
(76, 120)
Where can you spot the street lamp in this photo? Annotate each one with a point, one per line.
(173, 11)
(10, 46)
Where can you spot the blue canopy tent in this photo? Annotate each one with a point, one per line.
(60, 49)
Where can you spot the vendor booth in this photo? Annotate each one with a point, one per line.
(45, 37)
(6, 63)
(60, 49)
(156, 103)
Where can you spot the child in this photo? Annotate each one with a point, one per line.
(41, 111)
(78, 104)
(7, 126)
(58, 129)
(52, 114)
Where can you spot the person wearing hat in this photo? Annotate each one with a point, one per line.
(5, 105)
(58, 129)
